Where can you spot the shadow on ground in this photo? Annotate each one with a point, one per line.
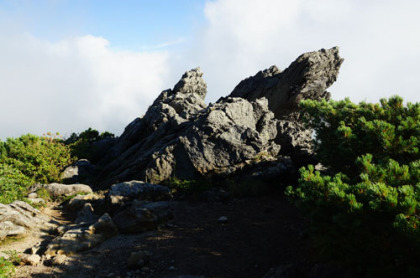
(259, 234)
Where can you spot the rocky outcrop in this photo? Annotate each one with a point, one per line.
(19, 218)
(179, 136)
(306, 78)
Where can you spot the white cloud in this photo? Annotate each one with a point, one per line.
(73, 84)
(378, 40)
(83, 82)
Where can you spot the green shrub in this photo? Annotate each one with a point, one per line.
(366, 212)
(27, 160)
(7, 269)
(83, 145)
(188, 187)
(39, 158)
(13, 184)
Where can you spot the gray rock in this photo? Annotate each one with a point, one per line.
(76, 203)
(80, 238)
(179, 136)
(143, 216)
(19, 218)
(138, 259)
(222, 220)
(78, 172)
(125, 192)
(10, 229)
(58, 189)
(32, 195)
(59, 259)
(86, 215)
(31, 259)
(36, 201)
(306, 78)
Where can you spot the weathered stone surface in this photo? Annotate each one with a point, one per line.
(18, 218)
(10, 229)
(138, 259)
(78, 172)
(143, 216)
(31, 259)
(86, 215)
(306, 78)
(179, 136)
(122, 193)
(80, 238)
(59, 259)
(77, 202)
(58, 189)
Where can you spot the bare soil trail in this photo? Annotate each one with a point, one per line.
(260, 233)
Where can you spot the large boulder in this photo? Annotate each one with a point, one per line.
(20, 218)
(58, 189)
(179, 136)
(125, 192)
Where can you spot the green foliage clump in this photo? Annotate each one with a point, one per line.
(188, 187)
(366, 211)
(83, 145)
(7, 268)
(27, 160)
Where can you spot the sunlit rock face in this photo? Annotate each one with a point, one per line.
(181, 136)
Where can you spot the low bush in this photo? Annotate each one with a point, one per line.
(366, 210)
(7, 268)
(27, 160)
(85, 144)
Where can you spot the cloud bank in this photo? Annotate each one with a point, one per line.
(378, 40)
(82, 82)
(73, 84)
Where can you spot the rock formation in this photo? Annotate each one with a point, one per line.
(306, 78)
(19, 219)
(181, 136)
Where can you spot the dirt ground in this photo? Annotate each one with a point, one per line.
(259, 234)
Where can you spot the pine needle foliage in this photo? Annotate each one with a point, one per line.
(366, 210)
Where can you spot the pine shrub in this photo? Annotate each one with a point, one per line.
(366, 210)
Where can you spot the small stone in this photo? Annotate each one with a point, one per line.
(32, 195)
(138, 259)
(222, 219)
(171, 268)
(31, 260)
(59, 259)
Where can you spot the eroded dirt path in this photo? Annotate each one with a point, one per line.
(259, 234)
(20, 245)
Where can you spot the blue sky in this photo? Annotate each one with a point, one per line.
(69, 65)
(128, 24)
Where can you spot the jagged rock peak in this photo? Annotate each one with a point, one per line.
(307, 77)
(192, 82)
